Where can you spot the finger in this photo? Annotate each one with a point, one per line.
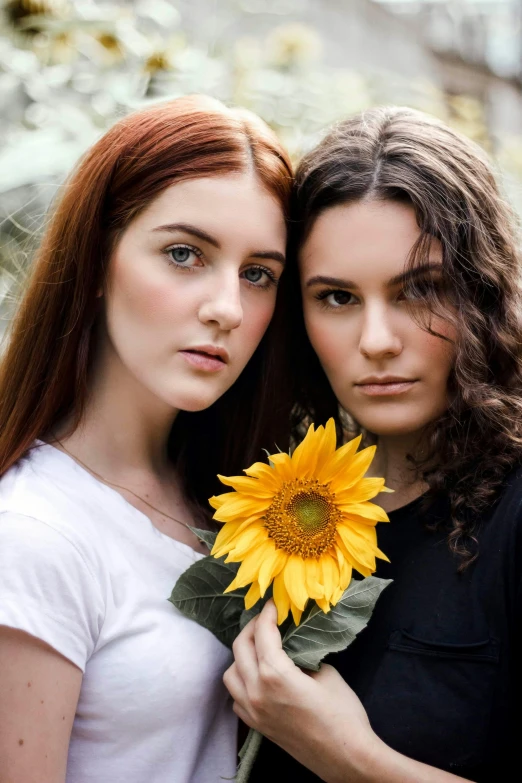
(234, 684)
(267, 637)
(243, 715)
(327, 675)
(245, 655)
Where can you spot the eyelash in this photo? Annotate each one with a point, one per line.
(179, 245)
(272, 279)
(322, 296)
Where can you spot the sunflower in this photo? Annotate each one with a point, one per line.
(301, 523)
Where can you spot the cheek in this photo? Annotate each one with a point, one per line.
(257, 314)
(438, 354)
(329, 340)
(139, 297)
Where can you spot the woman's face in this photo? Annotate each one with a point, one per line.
(191, 288)
(390, 374)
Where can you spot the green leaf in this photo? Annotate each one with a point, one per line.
(319, 634)
(208, 537)
(198, 594)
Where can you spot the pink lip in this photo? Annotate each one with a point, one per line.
(208, 358)
(385, 389)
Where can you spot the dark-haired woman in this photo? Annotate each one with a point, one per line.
(137, 369)
(409, 277)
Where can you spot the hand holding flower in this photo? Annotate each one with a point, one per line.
(315, 716)
(294, 530)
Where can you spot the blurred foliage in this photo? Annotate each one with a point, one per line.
(70, 68)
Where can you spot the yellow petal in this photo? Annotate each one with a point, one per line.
(330, 574)
(225, 535)
(253, 595)
(365, 489)
(225, 539)
(326, 446)
(304, 456)
(313, 578)
(266, 474)
(247, 486)
(353, 561)
(281, 598)
(336, 597)
(216, 501)
(353, 470)
(274, 561)
(296, 613)
(323, 604)
(249, 539)
(294, 576)
(283, 466)
(345, 571)
(381, 555)
(338, 459)
(369, 510)
(241, 506)
(361, 552)
(249, 568)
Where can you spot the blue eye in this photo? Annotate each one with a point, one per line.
(254, 275)
(183, 256)
(180, 254)
(260, 277)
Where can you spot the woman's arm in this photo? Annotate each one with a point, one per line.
(39, 691)
(315, 717)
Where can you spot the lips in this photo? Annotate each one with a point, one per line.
(205, 353)
(383, 386)
(209, 358)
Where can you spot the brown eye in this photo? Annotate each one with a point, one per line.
(335, 299)
(340, 297)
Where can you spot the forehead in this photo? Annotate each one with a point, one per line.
(217, 203)
(366, 238)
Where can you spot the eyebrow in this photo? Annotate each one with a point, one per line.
(187, 228)
(339, 282)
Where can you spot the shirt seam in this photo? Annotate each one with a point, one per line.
(74, 546)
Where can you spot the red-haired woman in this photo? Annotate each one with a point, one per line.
(409, 274)
(139, 366)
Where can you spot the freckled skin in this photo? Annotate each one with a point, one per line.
(368, 243)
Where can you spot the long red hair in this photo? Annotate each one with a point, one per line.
(45, 370)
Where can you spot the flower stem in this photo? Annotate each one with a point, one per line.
(247, 755)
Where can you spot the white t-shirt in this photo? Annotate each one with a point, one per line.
(86, 572)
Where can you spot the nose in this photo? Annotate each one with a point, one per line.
(379, 337)
(222, 305)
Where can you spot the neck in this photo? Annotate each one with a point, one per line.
(391, 462)
(124, 428)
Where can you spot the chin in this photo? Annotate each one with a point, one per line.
(392, 426)
(193, 403)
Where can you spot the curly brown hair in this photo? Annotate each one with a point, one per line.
(403, 155)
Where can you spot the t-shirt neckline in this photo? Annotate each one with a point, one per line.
(118, 497)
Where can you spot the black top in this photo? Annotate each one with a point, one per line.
(439, 667)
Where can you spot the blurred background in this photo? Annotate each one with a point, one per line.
(70, 68)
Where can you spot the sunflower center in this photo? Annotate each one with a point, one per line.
(303, 518)
(311, 512)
